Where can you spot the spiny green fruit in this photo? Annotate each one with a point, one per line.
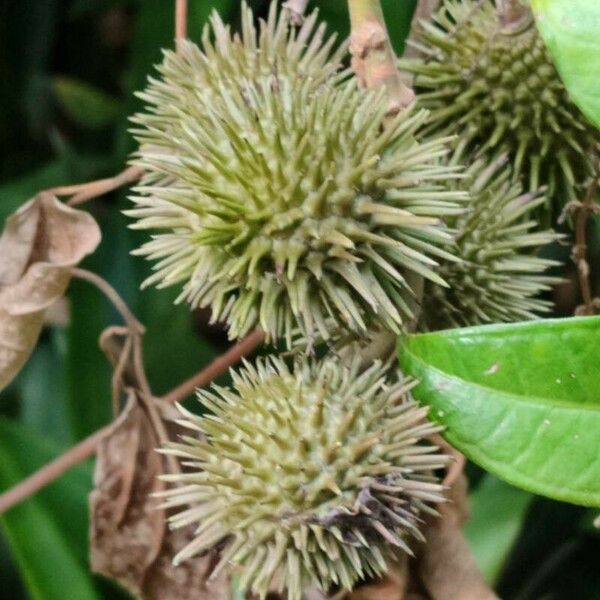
(304, 477)
(278, 196)
(499, 278)
(500, 92)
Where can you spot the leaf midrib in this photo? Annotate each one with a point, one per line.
(550, 402)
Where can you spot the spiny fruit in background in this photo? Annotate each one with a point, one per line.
(305, 477)
(499, 278)
(279, 198)
(499, 91)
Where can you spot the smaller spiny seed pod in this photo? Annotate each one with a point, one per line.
(278, 196)
(304, 477)
(498, 279)
(499, 91)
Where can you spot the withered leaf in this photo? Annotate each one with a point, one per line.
(446, 565)
(40, 243)
(129, 538)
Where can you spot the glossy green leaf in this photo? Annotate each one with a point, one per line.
(497, 512)
(520, 400)
(571, 30)
(47, 533)
(86, 105)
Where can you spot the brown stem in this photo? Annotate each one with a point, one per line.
(373, 58)
(83, 192)
(181, 19)
(584, 210)
(87, 447)
(51, 471)
(131, 321)
(218, 366)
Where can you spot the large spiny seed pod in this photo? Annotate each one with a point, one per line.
(499, 91)
(278, 196)
(499, 278)
(304, 477)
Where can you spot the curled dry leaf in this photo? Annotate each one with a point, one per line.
(40, 243)
(129, 539)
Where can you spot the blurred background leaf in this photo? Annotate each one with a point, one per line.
(84, 104)
(497, 514)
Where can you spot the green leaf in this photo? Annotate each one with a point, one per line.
(497, 512)
(174, 352)
(47, 533)
(571, 30)
(84, 104)
(520, 400)
(42, 388)
(154, 30)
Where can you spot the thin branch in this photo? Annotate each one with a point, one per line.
(83, 192)
(181, 20)
(216, 368)
(131, 321)
(583, 211)
(87, 447)
(52, 471)
(373, 58)
(120, 356)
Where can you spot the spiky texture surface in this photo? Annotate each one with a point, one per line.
(277, 196)
(501, 92)
(499, 278)
(306, 476)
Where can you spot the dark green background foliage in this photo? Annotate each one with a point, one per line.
(68, 70)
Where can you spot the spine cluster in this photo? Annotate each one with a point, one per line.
(281, 194)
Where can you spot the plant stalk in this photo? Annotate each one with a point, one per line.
(84, 449)
(373, 58)
(181, 19)
(584, 210)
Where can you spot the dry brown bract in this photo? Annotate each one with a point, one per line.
(42, 241)
(129, 540)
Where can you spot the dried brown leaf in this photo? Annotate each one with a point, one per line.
(127, 529)
(40, 243)
(446, 566)
(129, 539)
